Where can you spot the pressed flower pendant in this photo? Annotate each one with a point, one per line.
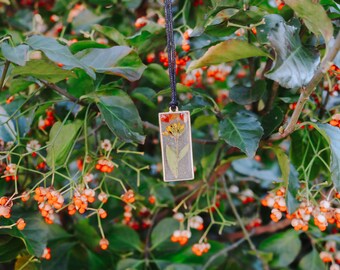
(175, 134)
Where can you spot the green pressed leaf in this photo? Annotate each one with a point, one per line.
(44, 70)
(57, 53)
(123, 239)
(18, 85)
(111, 33)
(163, 231)
(183, 152)
(157, 75)
(121, 115)
(312, 261)
(285, 246)
(16, 55)
(227, 51)
(172, 160)
(61, 140)
(314, 16)
(242, 130)
(294, 65)
(246, 95)
(119, 60)
(290, 179)
(332, 135)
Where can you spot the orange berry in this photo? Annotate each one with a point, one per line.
(21, 224)
(102, 213)
(333, 123)
(104, 244)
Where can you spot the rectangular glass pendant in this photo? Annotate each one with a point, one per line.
(176, 146)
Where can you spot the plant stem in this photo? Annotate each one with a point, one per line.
(309, 88)
(4, 73)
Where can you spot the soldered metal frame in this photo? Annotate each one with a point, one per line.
(176, 145)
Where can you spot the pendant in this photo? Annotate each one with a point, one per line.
(176, 146)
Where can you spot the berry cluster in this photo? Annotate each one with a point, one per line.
(48, 200)
(331, 255)
(48, 121)
(5, 207)
(200, 248)
(180, 236)
(105, 165)
(81, 199)
(335, 120)
(10, 172)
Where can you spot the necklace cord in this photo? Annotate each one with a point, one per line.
(171, 53)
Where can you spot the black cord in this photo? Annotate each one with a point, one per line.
(171, 53)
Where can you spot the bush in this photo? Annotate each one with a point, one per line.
(82, 84)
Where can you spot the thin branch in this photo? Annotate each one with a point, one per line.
(271, 98)
(4, 73)
(309, 88)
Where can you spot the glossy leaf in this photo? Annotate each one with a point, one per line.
(157, 75)
(18, 85)
(123, 239)
(332, 135)
(61, 140)
(227, 51)
(312, 261)
(57, 53)
(111, 33)
(163, 231)
(119, 60)
(243, 131)
(285, 246)
(121, 115)
(246, 95)
(44, 70)
(145, 95)
(294, 65)
(314, 16)
(17, 55)
(271, 121)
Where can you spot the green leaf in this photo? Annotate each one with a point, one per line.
(162, 232)
(163, 194)
(85, 19)
(85, 44)
(179, 267)
(243, 131)
(44, 70)
(16, 55)
(157, 75)
(121, 115)
(21, 263)
(57, 53)
(123, 239)
(285, 246)
(145, 95)
(312, 261)
(332, 135)
(18, 85)
(172, 160)
(204, 120)
(294, 65)
(227, 51)
(111, 33)
(309, 152)
(10, 247)
(81, 85)
(271, 121)
(119, 60)
(290, 179)
(314, 16)
(7, 128)
(246, 95)
(61, 140)
(87, 234)
(130, 264)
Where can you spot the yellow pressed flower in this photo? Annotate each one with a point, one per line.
(175, 130)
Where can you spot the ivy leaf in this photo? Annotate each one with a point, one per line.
(242, 130)
(119, 60)
(171, 160)
(314, 17)
(332, 135)
(121, 115)
(227, 51)
(246, 95)
(62, 138)
(285, 246)
(57, 53)
(17, 55)
(44, 70)
(294, 65)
